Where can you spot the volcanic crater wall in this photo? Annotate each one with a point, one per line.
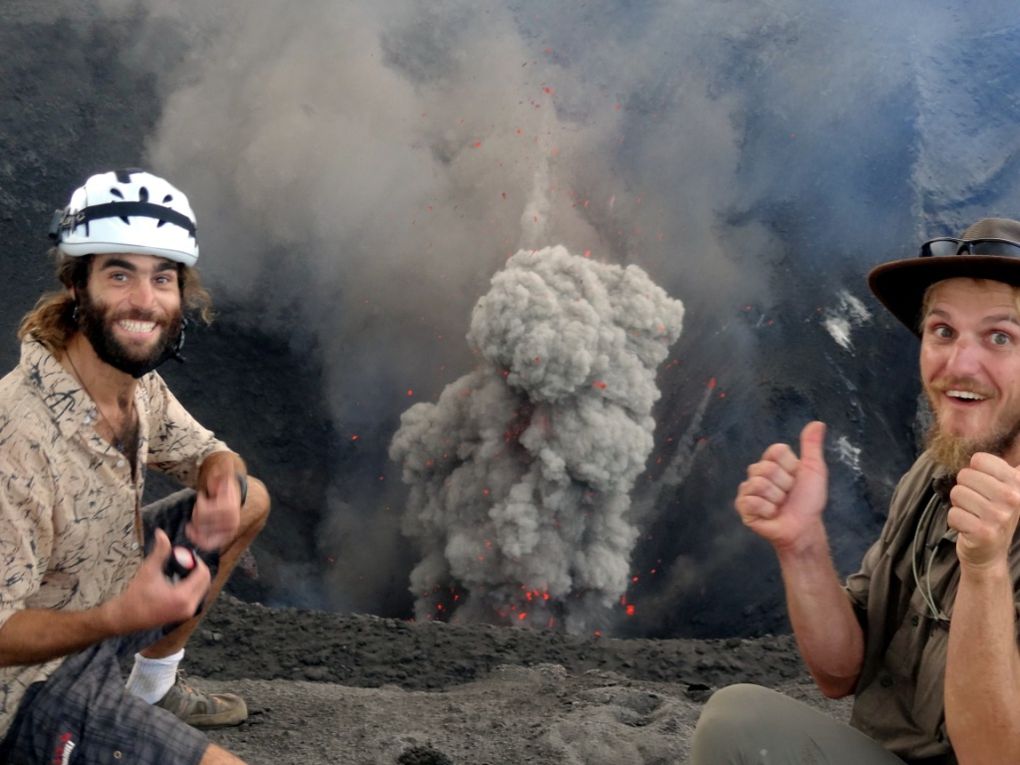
(361, 171)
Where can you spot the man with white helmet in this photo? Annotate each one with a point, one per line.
(88, 574)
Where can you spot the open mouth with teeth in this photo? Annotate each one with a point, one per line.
(136, 327)
(965, 396)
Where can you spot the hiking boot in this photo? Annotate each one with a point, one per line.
(203, 710)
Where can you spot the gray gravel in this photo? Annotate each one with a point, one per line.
(329, 688)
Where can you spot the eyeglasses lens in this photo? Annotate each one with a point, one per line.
(947, 246)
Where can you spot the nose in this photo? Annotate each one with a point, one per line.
(142, 294)
(964, 357)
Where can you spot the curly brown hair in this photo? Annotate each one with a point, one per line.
(51, 321)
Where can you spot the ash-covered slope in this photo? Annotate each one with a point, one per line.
(327, 688)
(248, 640)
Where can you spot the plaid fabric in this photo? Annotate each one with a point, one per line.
(82, 714)
(172, 514)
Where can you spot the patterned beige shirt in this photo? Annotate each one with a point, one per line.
(68, 499)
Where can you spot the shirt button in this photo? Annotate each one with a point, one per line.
(886, 681)
(120, 462)
(134, 545)
(915, 619)
(117, 754)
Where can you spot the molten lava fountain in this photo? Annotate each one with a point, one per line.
(520, 475)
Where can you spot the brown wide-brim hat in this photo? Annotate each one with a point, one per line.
(900, 284)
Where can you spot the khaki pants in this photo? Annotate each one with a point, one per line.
(750, 725)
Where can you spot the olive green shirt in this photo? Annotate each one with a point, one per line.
(899, 694)
(69, 500)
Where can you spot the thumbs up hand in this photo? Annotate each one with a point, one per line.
(985, 510)
(784, 495)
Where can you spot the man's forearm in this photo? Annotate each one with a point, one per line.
(225, 461)
(828, 634)
(982, 692)
(38, 635)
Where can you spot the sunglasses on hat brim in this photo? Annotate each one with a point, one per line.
(947, 245)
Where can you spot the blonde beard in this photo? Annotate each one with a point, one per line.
(948, 451)
(953, 453)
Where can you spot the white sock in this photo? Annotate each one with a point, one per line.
(150, 679)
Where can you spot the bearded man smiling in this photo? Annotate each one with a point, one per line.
(88, 573)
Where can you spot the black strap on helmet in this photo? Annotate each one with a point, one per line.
(68, 220)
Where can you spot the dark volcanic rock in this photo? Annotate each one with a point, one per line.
(248, 640)
(439, 693)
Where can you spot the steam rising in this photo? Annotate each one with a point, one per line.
(841, 320)
(520, 475)
(361, 170)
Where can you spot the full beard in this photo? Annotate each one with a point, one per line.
(953, 452)
(97, 326)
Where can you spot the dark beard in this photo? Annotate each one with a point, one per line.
(93, 323)
(954, 453)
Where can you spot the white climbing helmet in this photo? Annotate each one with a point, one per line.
(127, 211)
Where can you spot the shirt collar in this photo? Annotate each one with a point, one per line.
(72, 409)
(69, 405)
(942, 482)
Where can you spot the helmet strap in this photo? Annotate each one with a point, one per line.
(178, 346)
(70, 219)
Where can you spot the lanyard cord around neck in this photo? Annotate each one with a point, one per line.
(122, 442)
(921, 531)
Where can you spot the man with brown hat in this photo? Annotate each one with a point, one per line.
(925, 635)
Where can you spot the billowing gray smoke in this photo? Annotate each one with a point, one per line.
(362, 169)
(520, 474)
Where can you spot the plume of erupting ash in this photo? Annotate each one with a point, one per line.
(520, 475)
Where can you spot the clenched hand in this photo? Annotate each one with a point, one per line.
(986, 505)
(217, 513)
(151, 600)
(784, 495)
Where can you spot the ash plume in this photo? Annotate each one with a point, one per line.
(520, 475)
(360, 171)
